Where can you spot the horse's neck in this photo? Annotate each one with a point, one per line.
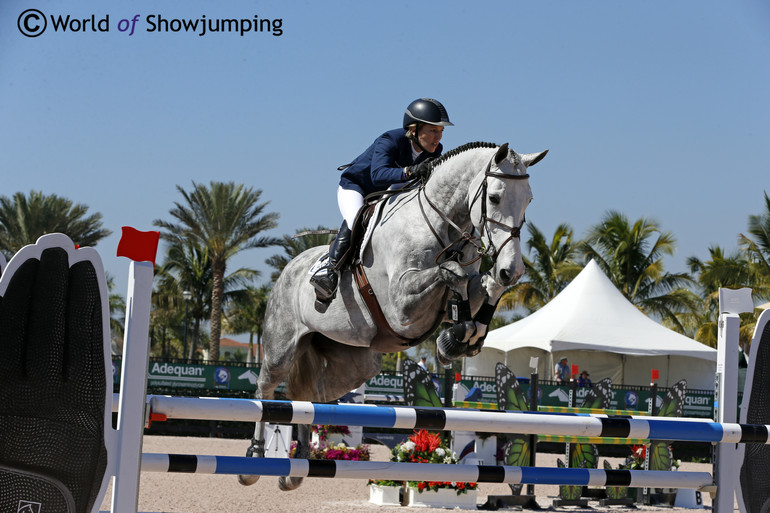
(449, 188)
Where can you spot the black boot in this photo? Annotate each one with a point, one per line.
(325, 279)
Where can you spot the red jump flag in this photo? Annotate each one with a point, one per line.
(138, 246)
(575, 370)
(654, 374)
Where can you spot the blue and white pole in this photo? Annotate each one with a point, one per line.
(342, 469)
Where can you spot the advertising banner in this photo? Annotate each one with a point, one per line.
(238, 378)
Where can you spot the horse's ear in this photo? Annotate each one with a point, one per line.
(502, 153)
(530, 159)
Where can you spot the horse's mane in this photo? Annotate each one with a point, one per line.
(460, 149)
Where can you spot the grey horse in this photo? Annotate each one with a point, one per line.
(425, 249)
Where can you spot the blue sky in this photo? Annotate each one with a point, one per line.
(656, 109)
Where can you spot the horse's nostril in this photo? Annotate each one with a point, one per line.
(505, 277)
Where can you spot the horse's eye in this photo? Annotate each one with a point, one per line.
(495, 200)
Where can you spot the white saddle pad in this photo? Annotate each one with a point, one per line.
(320, 265)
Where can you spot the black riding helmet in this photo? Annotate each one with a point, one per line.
(426, 110)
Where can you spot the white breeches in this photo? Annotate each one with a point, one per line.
(350, 202)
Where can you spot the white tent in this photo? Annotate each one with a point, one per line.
(597, 328)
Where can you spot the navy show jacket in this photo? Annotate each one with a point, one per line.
(383, 163)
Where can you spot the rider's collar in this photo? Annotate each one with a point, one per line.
(415, 153)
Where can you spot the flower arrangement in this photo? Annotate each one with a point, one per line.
(334, 452)
(325, 430)
(639, 452)
(636, 460)
(425, 447)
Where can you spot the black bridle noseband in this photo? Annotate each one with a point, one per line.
(469, 238)
(515, 231)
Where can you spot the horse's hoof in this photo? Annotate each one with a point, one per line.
(474, 349)
(247, 480)
(287, 484)
(448, 348)
(443, 361)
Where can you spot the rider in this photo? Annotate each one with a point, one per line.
(394, 157)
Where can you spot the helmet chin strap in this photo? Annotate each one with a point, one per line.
(416, 139)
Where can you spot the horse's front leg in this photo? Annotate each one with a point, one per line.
(484, 293)
(419, 291)
(466, 336)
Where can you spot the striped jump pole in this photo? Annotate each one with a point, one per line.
(342, 469)
(591, 440)
(474, 405)
(438, 419)
(598, 411)
(384, 398)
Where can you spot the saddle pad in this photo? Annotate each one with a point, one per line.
(376, 215)
(370, 228)
(322, 262)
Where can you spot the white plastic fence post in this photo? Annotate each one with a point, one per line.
(133, 388)
(726, 460)
(731, 303)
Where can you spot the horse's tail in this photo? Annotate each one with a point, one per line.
(305, 374)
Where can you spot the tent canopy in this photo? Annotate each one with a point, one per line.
(590, 315)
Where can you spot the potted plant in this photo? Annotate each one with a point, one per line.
(661, 458)
(425, 447)
(384, 492)
(335, 452)
(329, 434)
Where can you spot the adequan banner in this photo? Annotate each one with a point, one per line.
(244, 379)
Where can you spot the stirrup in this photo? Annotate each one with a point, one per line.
(325, 282)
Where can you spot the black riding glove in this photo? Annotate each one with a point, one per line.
(421, 170)
(52, 385)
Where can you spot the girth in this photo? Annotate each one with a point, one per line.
(387, 340)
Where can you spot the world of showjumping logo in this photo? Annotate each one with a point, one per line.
(34, 23)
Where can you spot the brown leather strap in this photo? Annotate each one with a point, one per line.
(365, 288)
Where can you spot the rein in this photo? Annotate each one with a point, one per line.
(469, 238)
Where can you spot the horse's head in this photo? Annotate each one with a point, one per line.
(499, 196)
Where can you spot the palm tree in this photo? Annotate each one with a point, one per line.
(247, 315)
(23, 219)
(117, 314)
(188, 268)
(224, 218)
(293, 245)
(632, 257)
(551, 269)
(165, 318)
(731, 271)
(756, 246)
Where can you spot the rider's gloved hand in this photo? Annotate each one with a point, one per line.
(52, 385)
(421, 170)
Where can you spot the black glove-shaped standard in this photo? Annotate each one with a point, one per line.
(421, 170)
(52, 386)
